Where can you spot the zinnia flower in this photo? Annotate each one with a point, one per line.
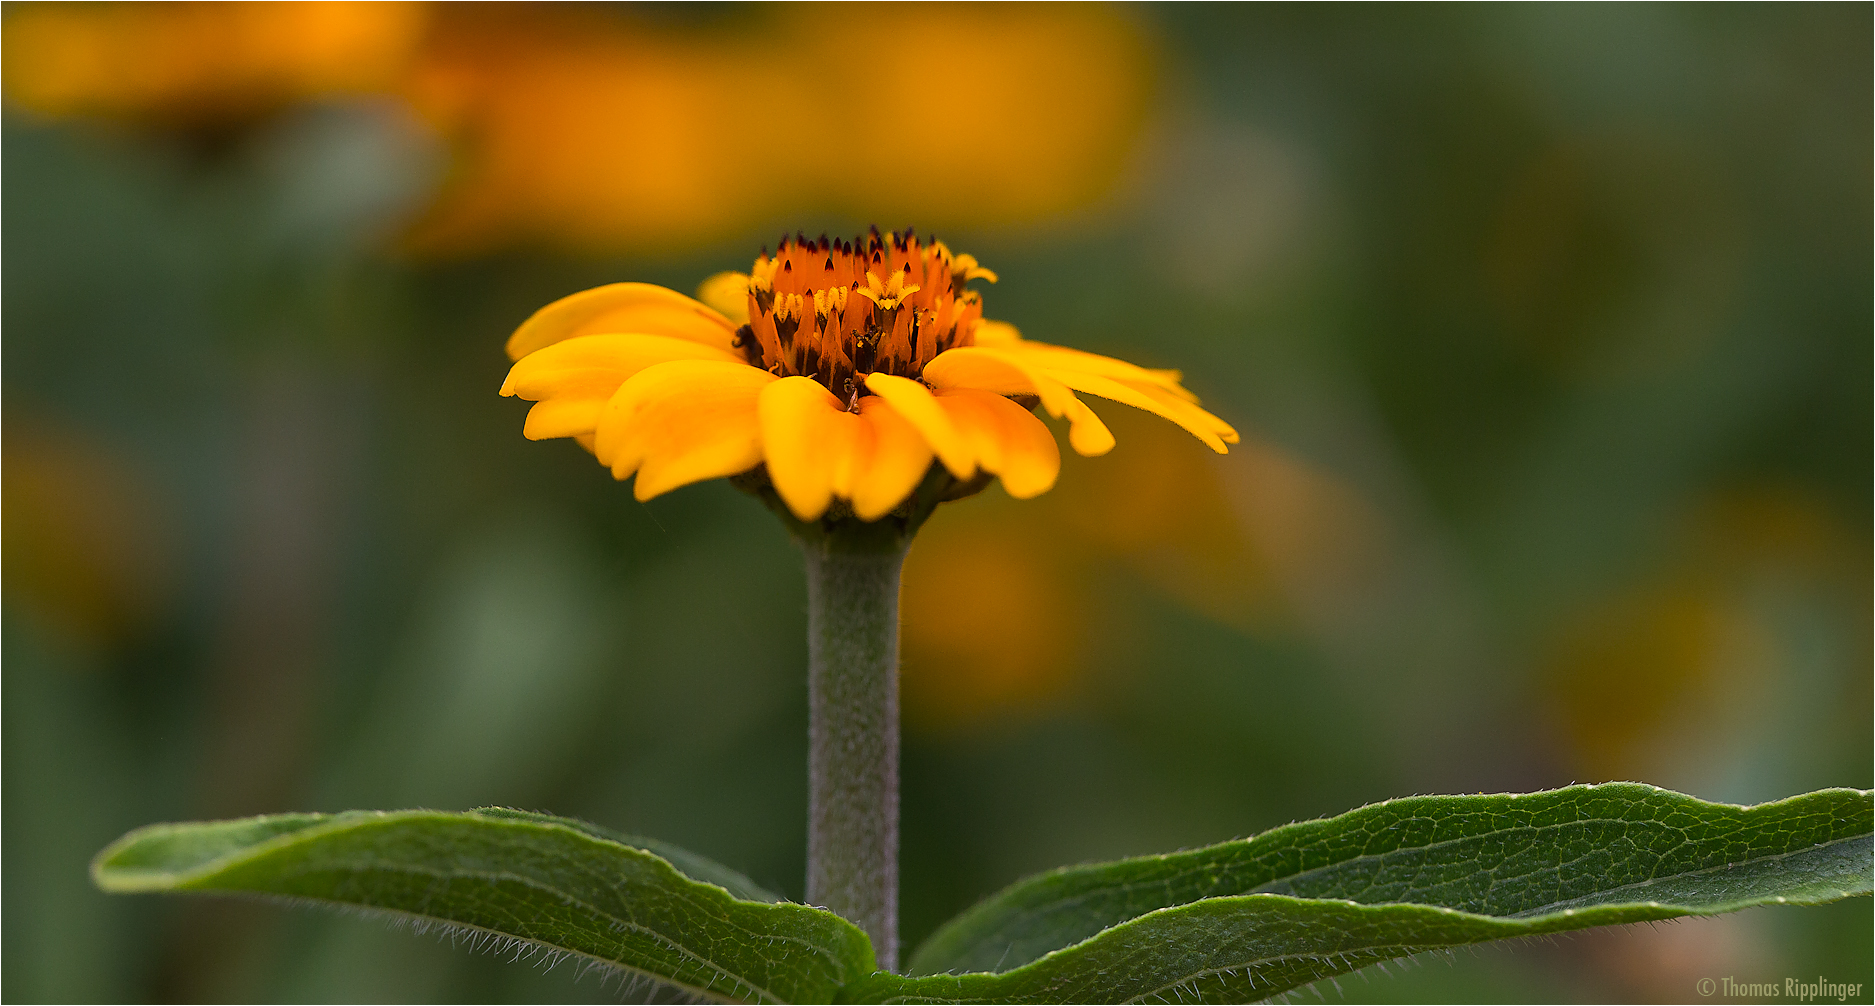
(845, 368)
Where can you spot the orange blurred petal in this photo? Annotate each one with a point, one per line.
(193, 61)
(727, 292)
(598, 134)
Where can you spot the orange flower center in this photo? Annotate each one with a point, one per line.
(836, 311)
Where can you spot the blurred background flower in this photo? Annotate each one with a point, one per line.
(1547, 328)
(577, 131)
(196, 63)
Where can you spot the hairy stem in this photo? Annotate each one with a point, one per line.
(852, 645)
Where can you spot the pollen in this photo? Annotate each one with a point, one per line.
(837, 311)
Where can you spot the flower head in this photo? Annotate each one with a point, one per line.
(203, 63)
(842, 369)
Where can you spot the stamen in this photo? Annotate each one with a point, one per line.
(817, 327)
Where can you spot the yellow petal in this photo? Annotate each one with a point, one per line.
(623, 308)
(810, 443)
(1003, 336)
(1006, 438)
(564, 417)
(591, 358)
(727, 292)
(1196, 421)
(572, 380)
(896, 460)
(1089, 437)
(1006, 374)
(681, 422)
(914, 403)
(996, 333)
(1225, 431)
(1051, 357)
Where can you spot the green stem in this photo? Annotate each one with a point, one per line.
(852, 645)
(852, 695)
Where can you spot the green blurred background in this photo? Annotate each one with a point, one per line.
(1548, 329)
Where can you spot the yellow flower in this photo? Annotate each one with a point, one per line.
(845, 368)
(595, 133)
(1057, 100)
(194, 63)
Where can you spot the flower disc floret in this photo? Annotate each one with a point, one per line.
(844, 370)
(837, 311)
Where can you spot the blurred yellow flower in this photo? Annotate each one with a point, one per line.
(190, 62)
(1261, 540)
(996, 623)
(845, 368)
(89, 553)
(595, 133)
(589, 129)
(1663, 678)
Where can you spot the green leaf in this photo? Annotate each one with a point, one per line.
(564, 885)
(1252, 918)
(1238, 921)
(687, 863)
